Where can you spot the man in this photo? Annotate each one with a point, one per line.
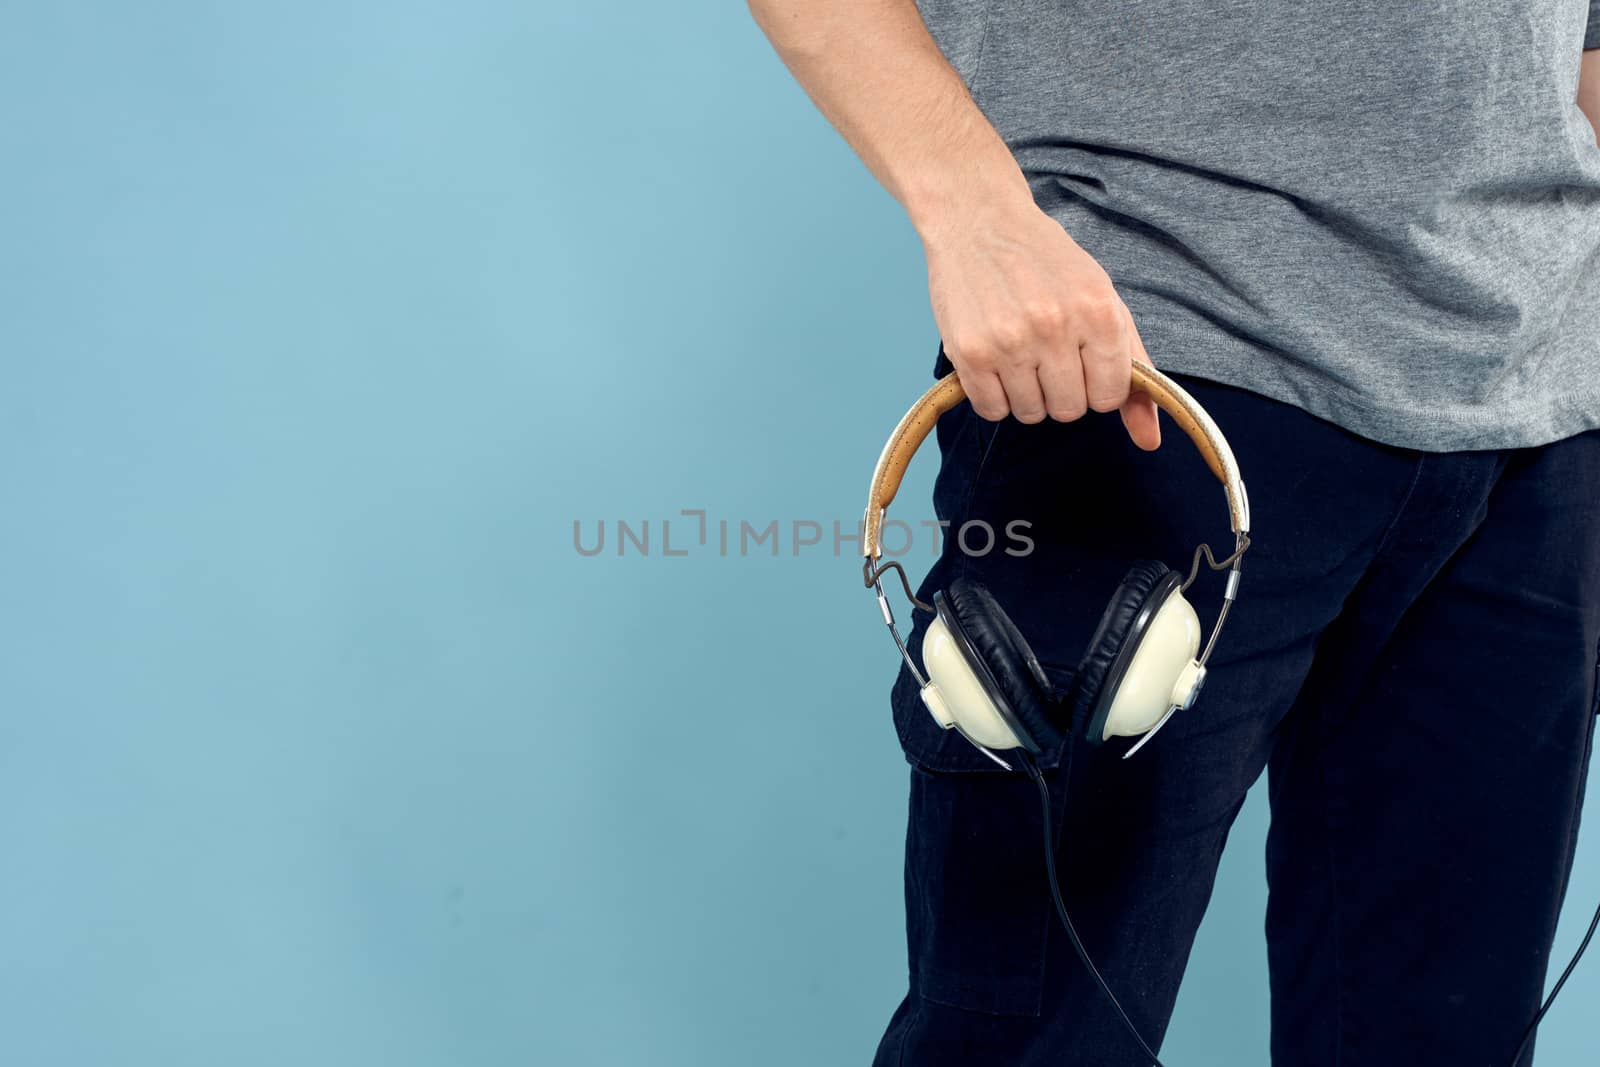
(1366, 236)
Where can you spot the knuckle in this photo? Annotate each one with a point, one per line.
(1107, 396)
(1099, 306)
(1107, 380)
(976, 354)
(1046, 316)
(1103, 364)
(1010, 336)
(1068, 412)
(1017, 359)
(1029, 417)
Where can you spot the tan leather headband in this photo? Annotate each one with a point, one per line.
(947, 393)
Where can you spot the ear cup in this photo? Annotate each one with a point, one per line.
(1146, 583)
(1006, 665)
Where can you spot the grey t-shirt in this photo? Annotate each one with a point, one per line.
(1387, 214)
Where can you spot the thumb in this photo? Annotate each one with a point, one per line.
(1140, 415)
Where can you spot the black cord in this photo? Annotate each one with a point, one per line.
(1527, 1035)
(1066, 920)
(1077, 944)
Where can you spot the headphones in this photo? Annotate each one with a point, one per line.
(1143, 663)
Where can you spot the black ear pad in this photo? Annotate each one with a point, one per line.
(1113, 643)
(1003, 662)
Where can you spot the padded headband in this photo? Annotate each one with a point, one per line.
(947, 393)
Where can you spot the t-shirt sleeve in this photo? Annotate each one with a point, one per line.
(1591, 37)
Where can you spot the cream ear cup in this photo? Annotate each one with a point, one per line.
(955, 697)
(1162, 673)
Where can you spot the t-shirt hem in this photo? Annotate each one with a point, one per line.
(1436, 429)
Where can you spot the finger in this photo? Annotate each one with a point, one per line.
(1023, 392)
(1103, 344)
(1061, 375)
(985, 394)
(1140, 415)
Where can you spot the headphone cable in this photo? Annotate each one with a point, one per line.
(1066, 920)
(1094, 972)
(1527, 1035)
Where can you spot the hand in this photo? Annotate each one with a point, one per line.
(1032, 322)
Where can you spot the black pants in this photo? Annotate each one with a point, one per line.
(1413, 658)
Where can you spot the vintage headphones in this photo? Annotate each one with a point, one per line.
(1140, 667)
(1144, 661)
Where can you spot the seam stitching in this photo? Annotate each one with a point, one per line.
(1405, 501)
(905, 1031)
(1339, 1019)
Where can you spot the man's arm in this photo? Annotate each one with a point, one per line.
(1589, 89)
(1029, 319)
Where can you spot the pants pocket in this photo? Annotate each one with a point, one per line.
(977, 904)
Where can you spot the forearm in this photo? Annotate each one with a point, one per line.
(1589, 89)
(1032, 324)
(872, 68)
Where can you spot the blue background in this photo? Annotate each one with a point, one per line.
(320, 324)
